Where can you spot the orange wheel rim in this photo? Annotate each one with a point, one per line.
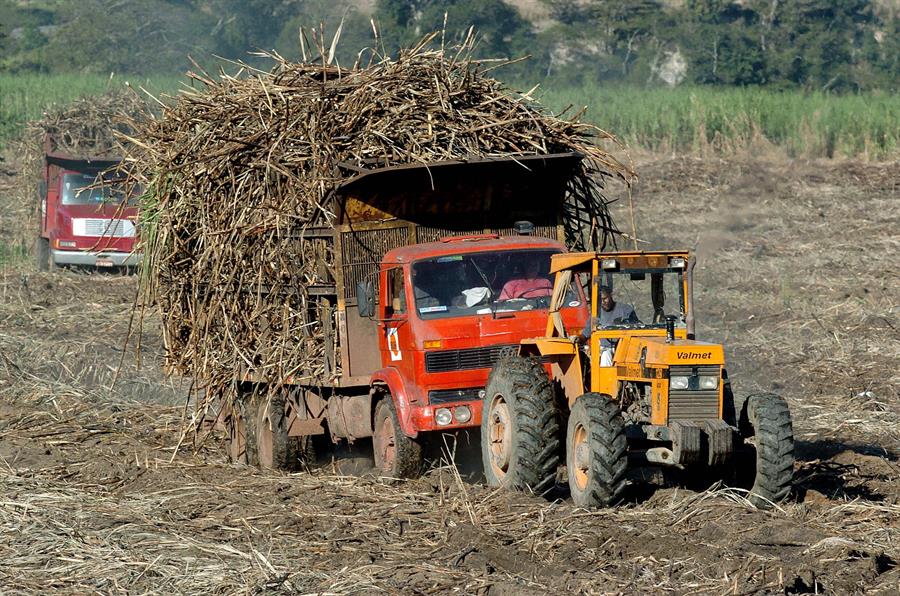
(581, 457)
(500, 436)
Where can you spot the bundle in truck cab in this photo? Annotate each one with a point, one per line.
(263, 193)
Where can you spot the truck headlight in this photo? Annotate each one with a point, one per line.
(709, 382)
(462, 414)
(678, 383)
(443, 416)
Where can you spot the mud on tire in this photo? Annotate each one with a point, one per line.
(520, 440)
(596, 451)
(770, 420)
(396, 455)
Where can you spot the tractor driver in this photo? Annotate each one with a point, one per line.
(611, 313)
(532, 285)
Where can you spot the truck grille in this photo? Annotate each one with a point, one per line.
(110, 228)
(442, 396)
(469, 359)
(694, 405)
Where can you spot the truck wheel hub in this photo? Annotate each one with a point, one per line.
(385, 444)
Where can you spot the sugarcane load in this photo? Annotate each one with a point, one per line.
(348, 251)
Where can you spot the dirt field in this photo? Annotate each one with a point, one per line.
(100, 492)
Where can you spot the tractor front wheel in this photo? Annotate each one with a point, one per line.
(396, 455)
(770, 420)
(520, 426)
(596, 451)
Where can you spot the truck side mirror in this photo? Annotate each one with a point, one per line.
(365, 298)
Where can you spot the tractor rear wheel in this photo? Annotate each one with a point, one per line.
(396, 455)
(520, 426)
(770, 420)
(275, 449)
(596, 451)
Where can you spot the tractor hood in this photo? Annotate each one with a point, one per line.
(680, 352)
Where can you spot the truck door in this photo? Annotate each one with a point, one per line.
(395, 340)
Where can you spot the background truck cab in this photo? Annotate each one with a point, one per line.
(80, 225)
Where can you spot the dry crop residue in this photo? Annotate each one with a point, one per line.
(797, 277)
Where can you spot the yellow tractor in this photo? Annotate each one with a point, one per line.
(633, 386)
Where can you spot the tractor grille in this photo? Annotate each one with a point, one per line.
(442, 396)
(472, 358)
(692, 404)
(110, 228)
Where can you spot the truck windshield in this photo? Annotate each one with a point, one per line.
(484, 282)
(641, 299)
(76, 191)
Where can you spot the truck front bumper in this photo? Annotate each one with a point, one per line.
(423, 418)
(96, 259)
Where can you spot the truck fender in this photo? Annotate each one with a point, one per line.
(389, 379)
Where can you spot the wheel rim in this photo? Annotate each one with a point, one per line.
(385, 445)
(237, 439)
(264, 440)
(500, 434)
(581, 458)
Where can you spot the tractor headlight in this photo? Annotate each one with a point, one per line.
(677, 263)
(609, 264)
(709, 382)
(678, 383)
(443, 416)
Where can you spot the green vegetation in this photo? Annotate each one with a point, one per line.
(688, 119)
(693, 119)
(24, 97)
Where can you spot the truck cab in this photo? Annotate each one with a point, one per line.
(85, 218)
(448, 310)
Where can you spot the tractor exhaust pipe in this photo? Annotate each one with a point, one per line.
(670, 329)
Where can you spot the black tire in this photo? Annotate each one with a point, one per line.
(396, 455)
(42, 254)
(596, 451)
(520, 431)
(275, 450)
(770, 420)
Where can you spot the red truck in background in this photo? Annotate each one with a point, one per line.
(83, 222)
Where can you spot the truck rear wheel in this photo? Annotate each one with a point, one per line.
(274, 448)
(396, 455)
(596, 451)
(520, 426)
(240, 448)
(770, 419)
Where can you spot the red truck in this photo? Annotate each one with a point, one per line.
(81, 222)
(439, 270)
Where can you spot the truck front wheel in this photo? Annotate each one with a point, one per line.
(42, 253)
(596, 451)
(520, 426)
(396, 455)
